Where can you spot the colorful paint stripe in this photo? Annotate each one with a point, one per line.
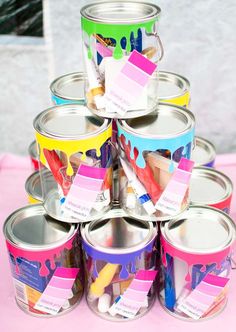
(172, 197)
(58, 290)
(135, 295)
(129, 84)
(83, 192)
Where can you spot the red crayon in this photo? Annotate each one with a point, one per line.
(145, 174)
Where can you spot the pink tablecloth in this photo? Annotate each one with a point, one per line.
(13, 173)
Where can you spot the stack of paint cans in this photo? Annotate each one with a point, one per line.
(118, 189)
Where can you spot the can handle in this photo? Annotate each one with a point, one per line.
(159, 43)
(232, 263)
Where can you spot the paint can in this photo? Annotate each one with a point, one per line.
(173, 89)
(196, 255)
(121, 53)
(210, 187)
(204, 152)
(75, 146)
(45, 260)
(68, 89)
(33, 186)
(120, 260)
(154, 154)
(33, 153)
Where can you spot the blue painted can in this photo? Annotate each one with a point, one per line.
(68, 89)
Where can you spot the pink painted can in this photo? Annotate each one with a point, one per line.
(45, 261)
(196, 251)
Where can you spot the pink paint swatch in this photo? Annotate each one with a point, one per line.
(172, 197)
(58, 290)
(129, 84)
(207, 295)
(135, 295)
(83, 192)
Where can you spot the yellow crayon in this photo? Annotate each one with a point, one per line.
(104, 279)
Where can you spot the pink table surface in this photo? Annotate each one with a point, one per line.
(13, 172)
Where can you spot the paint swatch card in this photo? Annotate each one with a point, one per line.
(83, 192)
(172, 197)
(208, 294)
(129, 83)
(135, 295)
(58, 290)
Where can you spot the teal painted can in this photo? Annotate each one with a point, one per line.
(68, 89)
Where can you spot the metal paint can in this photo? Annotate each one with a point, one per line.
(45, 260)
(196, 256)
(211, 187)
(152, 149)
(204, 152)
(75, 146)
(173, 89)
(121, 53)
(33, 186)
(120, 260)
(33, 153)
(68, 89)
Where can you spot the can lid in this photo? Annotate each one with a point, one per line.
(69, 86)
(204, 151)
(120, 12)
(68, 122)
(33, 150)
(118, 233)
(200, 230)
(167, 121)
(172, 85)
(31, 228)
(209, 186)
(33, 185)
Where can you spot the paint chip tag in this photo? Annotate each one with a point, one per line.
(205, 297)
(129, 84)
(84, 191)
(58, 291)
(135, 295)
(172, 197)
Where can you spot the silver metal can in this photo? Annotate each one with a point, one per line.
(120, 260)
(45, 260)
(152, 149)
(204, 152)
(210, 187)
(33, 186)
(196, 256)
(173, 89)
(75, 146)
(68, 89)
(33, 153)
(121, 52)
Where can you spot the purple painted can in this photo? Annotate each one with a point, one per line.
(204, 152)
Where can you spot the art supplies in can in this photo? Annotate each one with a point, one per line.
(45, 261)
(75, 146)
(211, 187)
(120, 260)
(33, 186)
(68, 89)
(154, 154)
(173, 89)
(204, 152)
(196, 256)
(121, 53)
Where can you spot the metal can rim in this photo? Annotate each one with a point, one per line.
(117, 212)
(76, 108)
(181, 110)
(223, 177)
(178, 80)
(31, 247)
(53, 85)
(211, 148)
(230, 224)
(155, 13)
